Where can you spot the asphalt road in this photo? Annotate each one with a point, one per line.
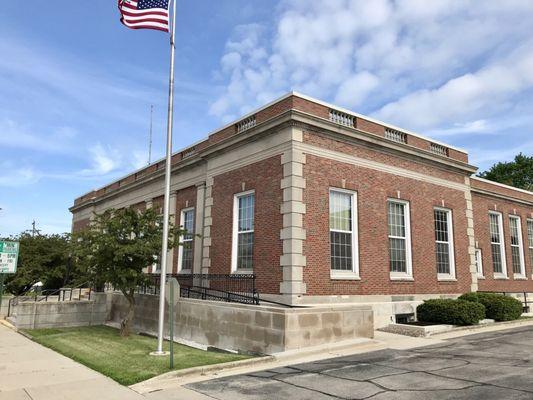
(496, 365)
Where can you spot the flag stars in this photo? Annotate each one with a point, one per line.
(146, 4)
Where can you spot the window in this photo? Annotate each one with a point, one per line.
(342, 230)
(444, 243)
(243, 231)
(517, 255)
(496, 244)
(185, 257)
(479, 263)
(399, 238)
(530, 240)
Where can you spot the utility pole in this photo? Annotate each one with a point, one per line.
(34, 230)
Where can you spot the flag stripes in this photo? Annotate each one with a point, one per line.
(144, 14)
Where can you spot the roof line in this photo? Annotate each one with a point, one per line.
(277, 100)
(477, 178)
(377, 121)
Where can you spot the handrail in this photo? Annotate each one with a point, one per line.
(63, 290)
(45, 294)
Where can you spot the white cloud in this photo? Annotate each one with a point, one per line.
(104, 160)
(488, 157)
(356, 89)
(479, 93)
(479, 126)
(105, 163)
(24, 136)
(423, 65)
(16, 175)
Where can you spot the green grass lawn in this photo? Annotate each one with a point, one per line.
(126, 360)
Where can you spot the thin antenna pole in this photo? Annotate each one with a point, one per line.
(150, 138)
(166, 205)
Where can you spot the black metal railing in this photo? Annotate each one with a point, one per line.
(63, 294)
(526, 308)
(235, 288)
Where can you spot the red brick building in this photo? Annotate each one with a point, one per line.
(325, 205)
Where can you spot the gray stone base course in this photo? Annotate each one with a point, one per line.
(54, 314)
(250, 328)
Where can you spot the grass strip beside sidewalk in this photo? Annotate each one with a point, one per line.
(126, 360)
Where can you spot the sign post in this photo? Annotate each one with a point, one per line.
(173, 294)
(9, 252)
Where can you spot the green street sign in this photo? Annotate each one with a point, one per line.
(9, 254)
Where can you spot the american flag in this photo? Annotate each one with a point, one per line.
(144, 14)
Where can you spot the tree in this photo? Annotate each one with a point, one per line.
(517, 173)
(42, 258)
(116, 248)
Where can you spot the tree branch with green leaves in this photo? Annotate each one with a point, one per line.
(118, 246)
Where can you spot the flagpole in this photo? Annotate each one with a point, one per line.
(166, 206)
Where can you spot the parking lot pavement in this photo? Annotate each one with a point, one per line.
(496, 365)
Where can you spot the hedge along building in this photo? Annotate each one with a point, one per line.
(325, 205)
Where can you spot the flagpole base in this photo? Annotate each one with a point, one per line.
(159, 353)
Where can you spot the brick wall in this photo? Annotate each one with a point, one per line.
(373, 188)
(264, 177)
(185, 198)
(501, 190)
(482, 205)
(81, 224)
(321, 140)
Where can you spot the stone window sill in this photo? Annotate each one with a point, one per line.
(344, 276)
(446, 277)
(519, 277)
(400, 278)
(502, 277)
(242, 272)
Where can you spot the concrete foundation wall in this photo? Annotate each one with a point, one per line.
(54, 314)
(258, 329)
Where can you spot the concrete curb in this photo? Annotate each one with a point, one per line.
(504, 324)
(163, 381)
(148, 385)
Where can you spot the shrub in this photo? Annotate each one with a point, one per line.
(449, 311)
(497, 306)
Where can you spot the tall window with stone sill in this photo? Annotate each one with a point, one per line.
(342, 222)
(517, 256)
(186, 249)
(444, 243)
(530, 240)
(243, 232)
(496, 243)
(399, 238)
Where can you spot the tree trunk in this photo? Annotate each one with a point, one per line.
(125, 325)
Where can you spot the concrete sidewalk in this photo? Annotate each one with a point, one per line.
(29, 371)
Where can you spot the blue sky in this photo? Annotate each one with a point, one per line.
(76, 86)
